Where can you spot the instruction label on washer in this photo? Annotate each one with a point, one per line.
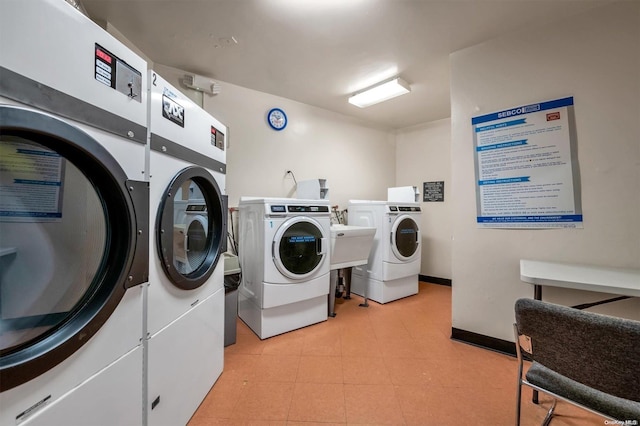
(117, 74)
(217, 138)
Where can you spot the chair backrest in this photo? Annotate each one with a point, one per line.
(596, 350)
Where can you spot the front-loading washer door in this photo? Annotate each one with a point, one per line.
(73, 240)
(189, 249)
(299, 247)
(405, 238)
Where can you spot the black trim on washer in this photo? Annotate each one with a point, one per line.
(176, 150)
(225, 237)
(139, 193)
(217, 228)
(30, 92)
(124, 219)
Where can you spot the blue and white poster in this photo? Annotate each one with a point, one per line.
(31, 183)
(526, 167)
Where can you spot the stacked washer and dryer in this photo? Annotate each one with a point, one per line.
(111, 308)
(394, 261)
(185, 307)
(74, 219)
(284, 258)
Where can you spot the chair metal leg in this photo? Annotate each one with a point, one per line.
(537, 295)
(519, 388)
(550, 413)
(518, 402)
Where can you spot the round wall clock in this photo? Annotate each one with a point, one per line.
(277, 119)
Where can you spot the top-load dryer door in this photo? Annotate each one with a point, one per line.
(74, 238)
(191, 228)
(299, 247)
(405, 238)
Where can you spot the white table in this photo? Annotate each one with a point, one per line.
(625, 282)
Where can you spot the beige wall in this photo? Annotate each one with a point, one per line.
(358, 161)
(595, 58)
(423, 154)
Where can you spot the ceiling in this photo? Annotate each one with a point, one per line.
(319, 52)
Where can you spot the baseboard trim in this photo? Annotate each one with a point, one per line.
(435, 280)
(482, 341)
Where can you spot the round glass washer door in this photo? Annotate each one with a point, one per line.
(191, 228)
(299, 247)
(405, 238)
(70, 242)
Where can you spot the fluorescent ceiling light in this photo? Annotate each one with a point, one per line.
(380, 93)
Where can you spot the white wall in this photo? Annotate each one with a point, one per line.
(594, 57)
(423, 154)
(358, 161)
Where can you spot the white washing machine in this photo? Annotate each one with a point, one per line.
(394, 261)
(190, 232)
(74, 223)
(284, 257)
(185, 303)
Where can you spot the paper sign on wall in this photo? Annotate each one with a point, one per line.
(433, 191)
(526, 167)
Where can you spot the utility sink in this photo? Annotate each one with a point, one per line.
(231, 264)
(350, 245)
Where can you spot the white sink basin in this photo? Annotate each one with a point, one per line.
(350, 245)
(231, 264)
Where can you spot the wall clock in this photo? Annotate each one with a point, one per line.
(277, 119)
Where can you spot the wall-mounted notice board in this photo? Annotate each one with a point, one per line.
(433, 191)
(526, 167)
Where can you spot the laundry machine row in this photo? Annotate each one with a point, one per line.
(394, 261)
(113, 219)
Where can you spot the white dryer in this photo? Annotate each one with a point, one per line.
(185, 304)
(284, 248)
(73, 219)
(394, 262)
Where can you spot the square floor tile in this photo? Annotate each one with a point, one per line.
(318, 402)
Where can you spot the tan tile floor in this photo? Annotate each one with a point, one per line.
(392, 364)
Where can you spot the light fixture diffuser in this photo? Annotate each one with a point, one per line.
(382, 92)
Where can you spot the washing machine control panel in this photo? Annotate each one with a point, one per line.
(404, 209)
(282, 209)
(308, 209)
(117, 74)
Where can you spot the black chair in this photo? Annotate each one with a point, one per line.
(587, 359)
